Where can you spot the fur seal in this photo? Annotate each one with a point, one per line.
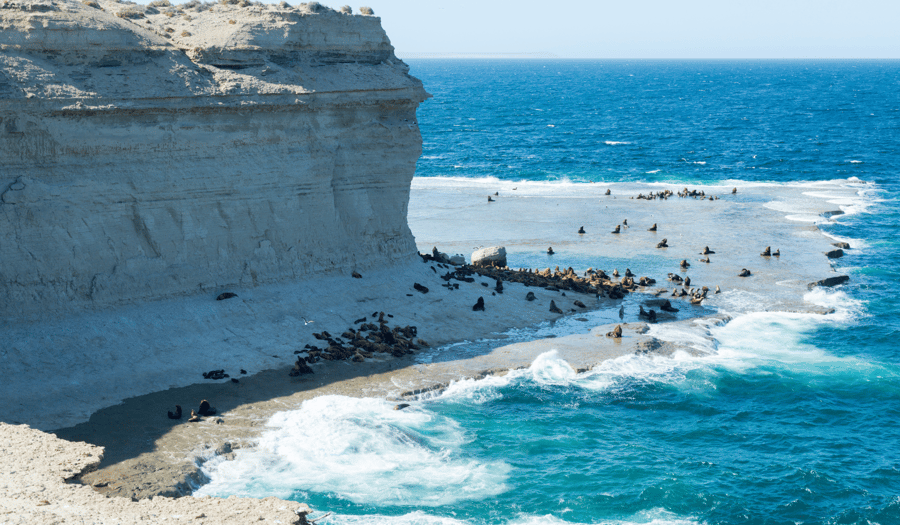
(628, 273)
(617, 230)
(581, 230)
(401, 406)
(663, 244)
(550, 250)
(243, 371)
(616, 333)
(616, 272)
(225, 295)
(553, 308)
(490, 199)
(667, 307)
(205, 409)
(420, 288)
(651, 316)
(697, 299)
(744, 273)
(194, 417)
(706, 251)
(479, 305)
(642, 312)
(497, 193)
(684, 263)
(652, 228)
(625, 222)
(687, 281)
(235, 380)
(356, 275)
(734, 191)
(705, 260)
(530, 296)
(718, 290)
(767, 252)
(177, 414)
(622, 312)
(579, 304)
(776, 253)
(608, 192)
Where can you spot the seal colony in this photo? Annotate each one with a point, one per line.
(272, 241)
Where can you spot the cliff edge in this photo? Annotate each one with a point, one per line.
(149, 152)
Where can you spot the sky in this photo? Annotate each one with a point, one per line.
(641, 28)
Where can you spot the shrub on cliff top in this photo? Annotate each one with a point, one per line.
(131, 13)
(91, 3)
(160, 3)
(190, 5)
(366, 11)
(347, 10)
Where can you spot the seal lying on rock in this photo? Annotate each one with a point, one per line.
(617, 230)
(194, 417)
(581, 230)
(616, 332)
(608, 192)
(553, 308)
(550, 250)
(530, 296)
(177, 414)
(225, 295)
(706, 251)
(652, 228)
(744, 273)
(663, 244)
(767, 252)
(479, 305)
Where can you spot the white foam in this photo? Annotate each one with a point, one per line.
(649, 517)
(615, 143)
(361, 450)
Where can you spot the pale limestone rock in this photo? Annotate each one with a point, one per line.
(161, 155)
(491, 256)
(34, 467)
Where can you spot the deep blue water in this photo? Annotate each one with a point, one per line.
(793, 419)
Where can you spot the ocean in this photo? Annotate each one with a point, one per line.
(774, 417)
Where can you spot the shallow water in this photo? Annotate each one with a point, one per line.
(773, 417)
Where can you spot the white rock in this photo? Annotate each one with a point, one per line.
(492, 256)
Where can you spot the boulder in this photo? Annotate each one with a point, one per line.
(835, 254)
(831, 281)
(492, 256)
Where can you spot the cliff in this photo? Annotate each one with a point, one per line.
(149, 152)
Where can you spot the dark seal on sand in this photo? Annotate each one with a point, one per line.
(744, 273)
(225, 295)
(530, 296)
(617, 230)
(205, 409)
(581, 229)
(420, 288)
(555, 309)
(663, 244)
(177, 414)
(356, 275)
(479, 305)
(652, 228)
(550, 250)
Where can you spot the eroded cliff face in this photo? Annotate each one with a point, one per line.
(151, 152)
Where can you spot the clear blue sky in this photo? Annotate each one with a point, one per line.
(643, 28)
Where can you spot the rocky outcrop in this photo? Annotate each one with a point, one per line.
(148, 152)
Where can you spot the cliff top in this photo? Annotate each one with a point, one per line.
(101, 49)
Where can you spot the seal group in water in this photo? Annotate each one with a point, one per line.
(479, 305)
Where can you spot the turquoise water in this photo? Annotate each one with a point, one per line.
(781, 418)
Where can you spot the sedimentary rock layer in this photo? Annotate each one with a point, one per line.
(159, 151)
